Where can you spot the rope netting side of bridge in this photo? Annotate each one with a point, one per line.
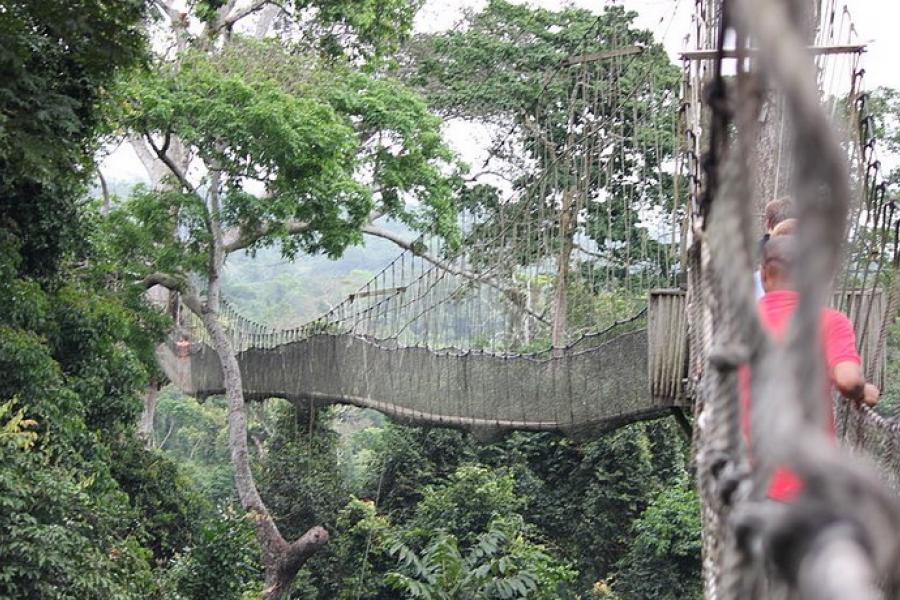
(838, 539)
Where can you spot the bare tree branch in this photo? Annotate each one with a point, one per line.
(230, 20)
(177, 283)
(490, 173)
(167, 9)
(174, 168)
(226, 9)
(167, 280)
(266, 18)
(550, 146)
(168, 434)
(238, 239)
(293, 556)
(155, 169)
(584, 250)
(179, 22)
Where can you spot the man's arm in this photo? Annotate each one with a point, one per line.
(849, 380)
(844, 361)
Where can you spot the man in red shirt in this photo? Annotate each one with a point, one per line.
(842, 361)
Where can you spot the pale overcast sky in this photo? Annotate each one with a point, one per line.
(876, 23)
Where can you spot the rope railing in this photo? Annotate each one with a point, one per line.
(247, 334)
(838, 539)
(870, 266)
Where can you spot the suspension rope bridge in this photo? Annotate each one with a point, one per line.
(596, 219)
(535, 318)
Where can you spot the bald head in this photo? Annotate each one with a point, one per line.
(778, 258)
(786, 227)
(777, 211)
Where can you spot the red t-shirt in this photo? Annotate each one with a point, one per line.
(838, 346)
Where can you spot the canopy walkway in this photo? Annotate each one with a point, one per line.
(632, 371)
(605, 211)
(582, 392)
(601, 382)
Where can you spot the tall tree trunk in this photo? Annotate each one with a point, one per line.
(772, 152)
(148, 413)
(772, 156)
(561, 295)
(157, 172)
(566, 235)
(281, 560)
(526, 321)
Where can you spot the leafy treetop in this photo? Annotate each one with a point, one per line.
(57, 59)
(361, 30)
(585, 104)
(298, 153)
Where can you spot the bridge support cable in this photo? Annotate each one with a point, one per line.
(839, 537)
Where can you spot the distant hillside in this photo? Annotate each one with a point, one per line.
(285, 293)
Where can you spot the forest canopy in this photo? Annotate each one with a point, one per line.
(296, 154)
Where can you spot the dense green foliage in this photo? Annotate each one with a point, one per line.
(310, 136)
(421, 512)
(67, 527)
(562, 518)
(61, 529)
(505, 67)
(305, 130)
(316, 131)
(57, 58)
(223, 562)
(85, 510)
(662, 561)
